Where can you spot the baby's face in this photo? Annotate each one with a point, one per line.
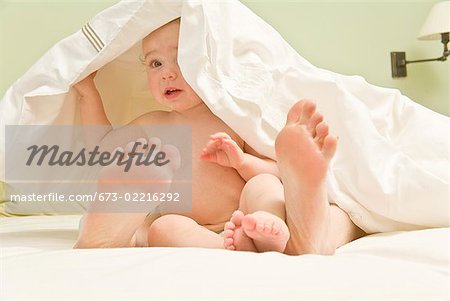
(166, 83)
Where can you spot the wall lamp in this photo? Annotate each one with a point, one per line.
(436, 26)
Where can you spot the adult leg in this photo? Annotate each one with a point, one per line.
(304, 149)
(342, 227)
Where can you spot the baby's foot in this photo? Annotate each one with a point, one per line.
(223, 150)
(143, 166)
(268, 231)
(139, 179)
(234, 236)
(113, 219)
(304, 149)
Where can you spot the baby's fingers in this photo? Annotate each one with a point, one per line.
(207, 155)
(213, 145)
(220, 136)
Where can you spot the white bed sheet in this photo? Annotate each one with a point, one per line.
(390, 171)
(38, 263)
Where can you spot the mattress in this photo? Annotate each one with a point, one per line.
(38, 263)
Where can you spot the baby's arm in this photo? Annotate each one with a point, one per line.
(224, 151)
(91, 110)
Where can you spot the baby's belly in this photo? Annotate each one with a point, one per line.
(215, 195)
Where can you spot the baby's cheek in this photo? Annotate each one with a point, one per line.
(152, 86)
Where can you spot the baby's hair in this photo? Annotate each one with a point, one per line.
(141, 59)
(141, 56)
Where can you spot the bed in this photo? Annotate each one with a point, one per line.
(38, 263)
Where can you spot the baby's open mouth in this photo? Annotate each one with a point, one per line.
(171, 91)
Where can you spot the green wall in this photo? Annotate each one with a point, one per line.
(349, 37)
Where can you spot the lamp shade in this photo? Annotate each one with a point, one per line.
(437, 22)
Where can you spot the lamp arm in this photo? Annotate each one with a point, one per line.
(442, 58)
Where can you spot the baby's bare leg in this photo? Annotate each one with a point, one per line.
(140, 237)
(262, 201)
(263, 192)
(180, 231)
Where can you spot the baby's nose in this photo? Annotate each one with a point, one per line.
(169, 74)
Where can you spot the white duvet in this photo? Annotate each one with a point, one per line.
(391, 170)
(38, 263)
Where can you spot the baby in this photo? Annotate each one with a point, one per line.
(227, 174)
(219, 171)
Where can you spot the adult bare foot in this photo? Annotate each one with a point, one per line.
(235, 237)
(268, 231)
(304, 149)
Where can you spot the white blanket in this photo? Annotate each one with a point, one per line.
(38, 263)
(391, 170)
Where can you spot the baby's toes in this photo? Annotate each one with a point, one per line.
(129, 148)
(135, 146)
(228, 233)
(120, 151)
(236, 217)
(237, 212)
(172, 155)
(229, 226)
(275, 229)
(260, 227)
(141, 145)
(155, 143)
(268, 226)
(228, 244)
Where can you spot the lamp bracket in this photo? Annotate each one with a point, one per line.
(399, 62)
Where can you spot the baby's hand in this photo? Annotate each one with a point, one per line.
(86, 86)
(223, 150)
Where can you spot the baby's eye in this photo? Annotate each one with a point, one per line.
(154, 64)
